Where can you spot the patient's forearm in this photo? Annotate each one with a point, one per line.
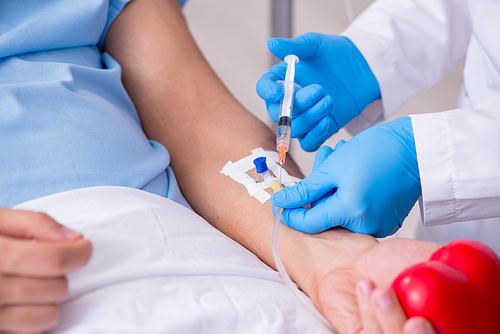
(184, 106)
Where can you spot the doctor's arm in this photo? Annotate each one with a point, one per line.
(184, 106)
(409, 45)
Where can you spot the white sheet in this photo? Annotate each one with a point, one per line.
(157, 267)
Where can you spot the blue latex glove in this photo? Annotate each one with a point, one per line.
(367, 185)
(337, 85)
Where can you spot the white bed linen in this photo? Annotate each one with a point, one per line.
(158, 267)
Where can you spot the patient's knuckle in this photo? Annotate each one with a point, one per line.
(46, 222)
(40, 217)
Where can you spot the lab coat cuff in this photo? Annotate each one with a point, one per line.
(435, 164)
(382, 62)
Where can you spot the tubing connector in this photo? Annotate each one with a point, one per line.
(275, 185)
(282, 149)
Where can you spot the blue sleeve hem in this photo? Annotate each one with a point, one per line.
(115, 8)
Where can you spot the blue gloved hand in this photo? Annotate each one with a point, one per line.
(367, 185)
(337, 85)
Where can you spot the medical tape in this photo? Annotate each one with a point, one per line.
(238, 172)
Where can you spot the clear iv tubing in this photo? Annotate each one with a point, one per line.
(282, 144)
(288, 281)
(274, 244)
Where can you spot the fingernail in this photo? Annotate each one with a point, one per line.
(70, 234)
(366, 287)
(419, 329)
(384, 300)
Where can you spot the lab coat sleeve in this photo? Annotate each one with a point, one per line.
(409, 45)
(458, 153)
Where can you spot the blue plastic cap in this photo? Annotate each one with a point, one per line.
(260, 165)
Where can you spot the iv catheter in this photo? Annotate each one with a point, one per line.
(286, 106)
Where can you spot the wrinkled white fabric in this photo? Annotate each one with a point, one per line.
(158, 267)
(410, 45)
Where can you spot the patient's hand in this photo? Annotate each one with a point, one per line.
(35, 254)
(382, 313)
(335, 293)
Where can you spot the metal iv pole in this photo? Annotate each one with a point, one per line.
(281, 21)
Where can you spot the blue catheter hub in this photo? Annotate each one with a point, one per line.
(260, 165)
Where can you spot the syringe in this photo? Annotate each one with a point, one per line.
(286, 106)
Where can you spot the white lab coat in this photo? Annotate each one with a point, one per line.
(412, 44)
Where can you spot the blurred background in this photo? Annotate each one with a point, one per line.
(233, 34)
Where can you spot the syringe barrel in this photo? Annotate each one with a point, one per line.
(285, 115)
(284, 128)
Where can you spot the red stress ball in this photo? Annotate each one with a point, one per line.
(457, 289)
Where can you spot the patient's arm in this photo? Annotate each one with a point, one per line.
(184, 106)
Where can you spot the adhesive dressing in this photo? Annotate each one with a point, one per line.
(243, 172)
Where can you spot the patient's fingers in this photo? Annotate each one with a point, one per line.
(25, 290)
(35, 254)
(34, 225)
(364, 290)
(28, 318)
(388, 310)
(25, 258)
(418, 325)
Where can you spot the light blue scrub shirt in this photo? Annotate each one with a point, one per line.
(66, 121)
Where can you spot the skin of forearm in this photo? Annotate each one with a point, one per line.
(184, 106)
